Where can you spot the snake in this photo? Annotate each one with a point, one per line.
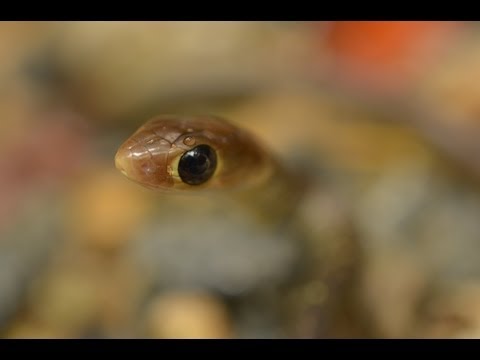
(208, 154)
(211, 155)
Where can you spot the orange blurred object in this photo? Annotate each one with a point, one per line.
(386, 55)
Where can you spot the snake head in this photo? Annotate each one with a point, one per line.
(191, 152)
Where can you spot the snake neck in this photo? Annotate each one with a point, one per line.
(275, 200)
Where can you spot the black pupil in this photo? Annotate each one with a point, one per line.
(196, 166)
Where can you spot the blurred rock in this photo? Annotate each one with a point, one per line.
(419, 230)
(66, 301)
(321, 133)
(392, 285)
(113, 69)
(18, 41)
(83, 293)
(25, 328)
(188, 314)
(451, 311)
(43, 157)
(104, 210)
(26, 244)
(450, 89)
(193, 241)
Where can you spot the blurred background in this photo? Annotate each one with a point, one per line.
(381, 119)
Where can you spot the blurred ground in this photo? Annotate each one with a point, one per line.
(380, 118)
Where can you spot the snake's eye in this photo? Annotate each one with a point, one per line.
(197, 165)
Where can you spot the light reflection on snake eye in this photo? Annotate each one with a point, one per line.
(197, 165)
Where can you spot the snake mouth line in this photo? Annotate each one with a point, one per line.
(119, 165)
